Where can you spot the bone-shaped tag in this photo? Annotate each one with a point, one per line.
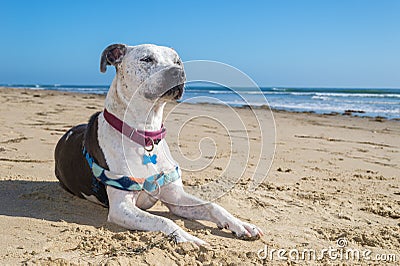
(149, 159)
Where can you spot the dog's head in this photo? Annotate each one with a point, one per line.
(154, 72)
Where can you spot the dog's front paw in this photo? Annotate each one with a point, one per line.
(243, 230)
(182, 236)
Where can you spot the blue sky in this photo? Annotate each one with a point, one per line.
(341, 43)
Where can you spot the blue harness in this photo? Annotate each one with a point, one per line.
(129, 183)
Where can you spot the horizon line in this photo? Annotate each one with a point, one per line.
(28, 85)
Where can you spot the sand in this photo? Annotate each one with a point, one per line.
(333, 177)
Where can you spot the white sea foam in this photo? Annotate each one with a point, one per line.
(324, 98)
(363, 95)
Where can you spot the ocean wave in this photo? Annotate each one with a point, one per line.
(313, 94)
(236, 92)
(260, 92)
(361, 95)
(355, 101)
(320, 108)
(324, 98)
(333, 108)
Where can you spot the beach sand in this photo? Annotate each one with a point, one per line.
(333, 177)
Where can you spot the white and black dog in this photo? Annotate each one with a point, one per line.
(120, 159)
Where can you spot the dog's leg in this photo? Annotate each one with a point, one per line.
(123, 211)
(185, 205)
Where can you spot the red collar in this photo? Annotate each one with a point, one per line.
(144, 138)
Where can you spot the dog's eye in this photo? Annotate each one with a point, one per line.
(179, 62)
(147, 59)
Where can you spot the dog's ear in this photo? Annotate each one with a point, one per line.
(112, 55)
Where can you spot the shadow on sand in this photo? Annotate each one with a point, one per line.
(47, 200)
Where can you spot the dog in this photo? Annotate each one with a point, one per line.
(121, 160)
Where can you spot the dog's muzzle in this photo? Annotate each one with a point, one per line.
(174, 78)
(167, 84)
(174, 93)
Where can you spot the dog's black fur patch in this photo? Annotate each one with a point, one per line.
(71, 167)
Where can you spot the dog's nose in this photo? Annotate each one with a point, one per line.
(176, 72)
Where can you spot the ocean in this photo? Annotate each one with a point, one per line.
(360, 102)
